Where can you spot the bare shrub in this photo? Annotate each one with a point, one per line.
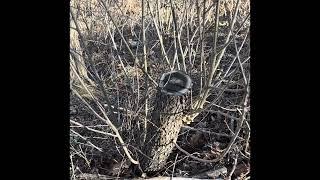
(118, 51)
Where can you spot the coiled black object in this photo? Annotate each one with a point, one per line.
(175, 83)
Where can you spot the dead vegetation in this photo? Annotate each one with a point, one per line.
(118, 51)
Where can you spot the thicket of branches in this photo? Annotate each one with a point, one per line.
(118, 51)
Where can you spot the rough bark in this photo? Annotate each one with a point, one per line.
(166, 121)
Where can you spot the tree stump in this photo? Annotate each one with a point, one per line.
(166, 120)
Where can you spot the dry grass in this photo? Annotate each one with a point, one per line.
(115, 83)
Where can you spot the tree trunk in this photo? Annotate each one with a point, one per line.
(166, 121)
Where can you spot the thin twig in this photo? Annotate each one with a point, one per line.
(159, 35)
(205, 131)
(235, 163)
(239, 123)
(146, 69)
(224, 114)
(91, 129)
(174, 165)
(196, 158)
(87, 141)
(238, 57)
